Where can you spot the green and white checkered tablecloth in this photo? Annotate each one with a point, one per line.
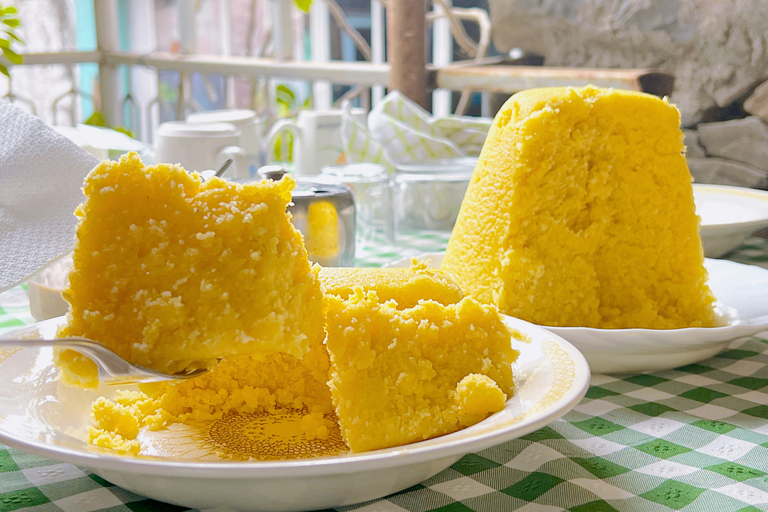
(690, 439)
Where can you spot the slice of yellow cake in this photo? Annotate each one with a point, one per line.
(404, 375)
(171, 272)
(406, 286)
(580, 213)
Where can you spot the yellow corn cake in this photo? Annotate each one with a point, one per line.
(242, 385)
(406, 286)
(580, 213)
(171, 272)
(404, 375)
(280, 384)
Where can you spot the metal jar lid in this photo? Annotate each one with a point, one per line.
(439, 169)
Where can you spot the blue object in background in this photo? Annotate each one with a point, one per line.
(85, 40)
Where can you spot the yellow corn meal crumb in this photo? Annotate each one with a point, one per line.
(247, 385)
(405, 375)
(171, 272)
(407, 286)
(116, 418)
(314, 426)
(119, 421)
(113, 441)
(275, 384)
(477, 396)
(580, 213)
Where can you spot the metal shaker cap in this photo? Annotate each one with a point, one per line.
(325, 215)
(271, 172)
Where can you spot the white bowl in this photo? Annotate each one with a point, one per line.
(41, 416)
(728, 216)
(742, 301)
(45, 287)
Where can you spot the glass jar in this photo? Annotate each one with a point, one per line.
(427, 195)
(369, 184)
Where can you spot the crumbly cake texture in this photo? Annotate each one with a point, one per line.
(278, 383)
(404, 375)
(580, 212)
(425, 366)
(406, 286)
(171, 272)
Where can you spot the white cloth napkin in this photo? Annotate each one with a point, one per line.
(41, 173)
(400, 131)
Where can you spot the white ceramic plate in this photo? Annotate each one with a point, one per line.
(742, 300)
(41, 416)
(728, 216)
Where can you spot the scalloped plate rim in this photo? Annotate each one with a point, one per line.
(364, 461)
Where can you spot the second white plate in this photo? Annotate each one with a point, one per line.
(728, 216)
(742, 298)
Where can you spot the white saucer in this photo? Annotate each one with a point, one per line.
(728, 216)
(41, 416)
(742, 299)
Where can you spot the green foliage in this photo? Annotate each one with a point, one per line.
(287, 104)
(9, 21)
(97, 119)
(286, 101)
(303, 4)
(168, 94)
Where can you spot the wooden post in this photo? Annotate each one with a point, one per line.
(407, 48)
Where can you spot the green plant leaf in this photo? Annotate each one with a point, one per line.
(12, 56)
(168, 94)
(4, 43)
(124, 130)
(303, 4)
(8, 10)
(4, 71)
(285, 94)
(287, 139)
(96, 119)
(14, 37)
(12, 22)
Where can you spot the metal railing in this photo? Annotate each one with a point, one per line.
(482, 75)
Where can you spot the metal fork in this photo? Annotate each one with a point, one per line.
(113, 369)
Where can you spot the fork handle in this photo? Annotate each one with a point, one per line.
(113, 369)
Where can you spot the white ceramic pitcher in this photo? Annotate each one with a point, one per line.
(316, 139)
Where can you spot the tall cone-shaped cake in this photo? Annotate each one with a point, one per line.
(580, 213)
